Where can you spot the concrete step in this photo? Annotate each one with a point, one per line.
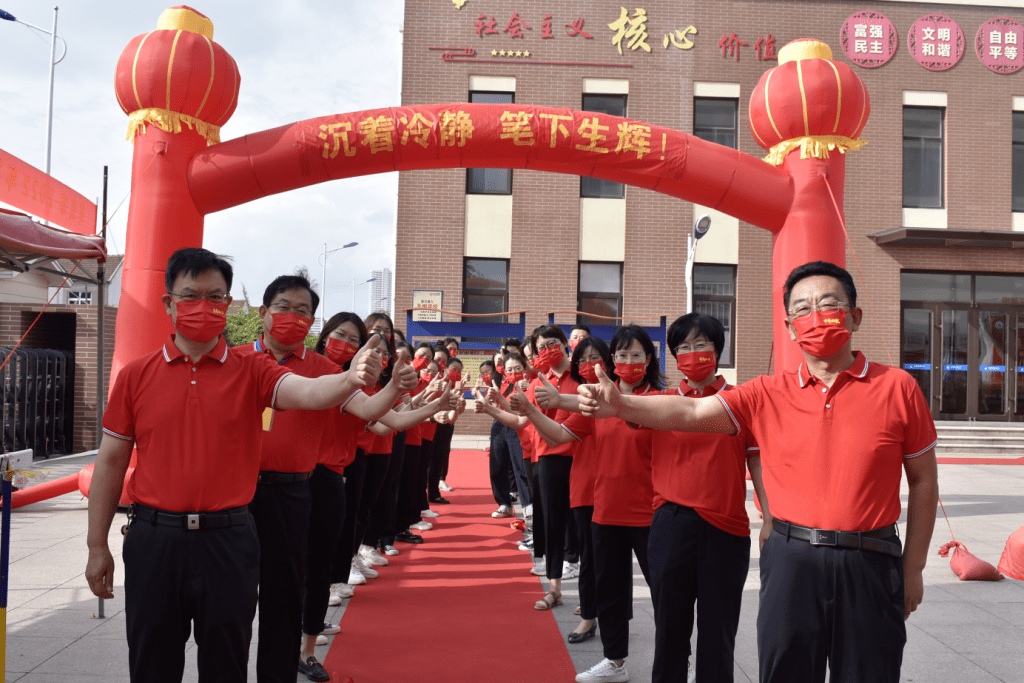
(980, 440)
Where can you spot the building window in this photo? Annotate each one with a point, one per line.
(922, 157)
(485, 288)
(80, 298)
(600, 292)
(714, 294)
(1018, 161)
(714, 120)
(489, 180)
(614, 105)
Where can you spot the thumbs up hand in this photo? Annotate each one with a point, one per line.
(369, 365)
(520, 403)
(546, 394)
(602, 399)
(404, 373)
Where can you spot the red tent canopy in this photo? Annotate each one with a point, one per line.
(26, 245)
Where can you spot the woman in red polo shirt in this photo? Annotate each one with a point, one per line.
(614, 463)
(700, 536)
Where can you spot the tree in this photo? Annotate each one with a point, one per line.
(244, 328)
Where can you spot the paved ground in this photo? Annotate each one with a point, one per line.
(965, 631)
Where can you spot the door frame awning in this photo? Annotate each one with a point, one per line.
(946, 237)
(26, 245)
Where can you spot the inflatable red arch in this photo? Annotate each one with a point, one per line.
(178, 87)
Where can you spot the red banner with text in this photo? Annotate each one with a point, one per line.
(27, 188)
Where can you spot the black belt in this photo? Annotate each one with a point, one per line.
(190, 521)
(861, 540)
(268, 477)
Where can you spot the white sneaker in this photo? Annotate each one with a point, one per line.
(604, 672)
(422, 526)
(503, 511)
(365, 569)
(355, 576)
(428, 513)
(322, 640)
(570, 570)
(390, 550)
(443, 485)
(372, 557)
(339, 591)
(538, 570)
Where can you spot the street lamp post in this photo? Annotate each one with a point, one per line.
(354, 285)
(53, 53)
(323, 278)
(700, 228)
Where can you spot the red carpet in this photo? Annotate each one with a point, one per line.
(457, 608)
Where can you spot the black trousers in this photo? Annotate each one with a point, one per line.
(377, 465)
(407, 511)
(384, 514)
(281, 514)
(439, 459)
(572, 539)
(539, 539)
(839, 606)
(426, 453)
(587, 585)
(613, 577)
(515, 450)
(554, 492)
(326, 516)
(694, 561)
(355, 474)
(174, 578)
(501, 465)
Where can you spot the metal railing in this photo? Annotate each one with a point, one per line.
(37, 391)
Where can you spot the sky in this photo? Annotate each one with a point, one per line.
(297, 58)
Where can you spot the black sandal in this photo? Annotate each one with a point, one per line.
(314, 670)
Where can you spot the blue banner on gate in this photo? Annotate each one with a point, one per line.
(954, 367)
(917, 366)
(993, 368)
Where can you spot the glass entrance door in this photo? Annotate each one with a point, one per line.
(992, 377)
(954, 339)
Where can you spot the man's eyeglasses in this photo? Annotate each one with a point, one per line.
(285, 308)
(554, 343)
(213, 298)
(699, 346)
(635, 357)
(824, 306)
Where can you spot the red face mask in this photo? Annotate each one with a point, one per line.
(573, 343)
(455, 375)
(697, 365)
(486, 378)
(339, 350)
(200, 320)
(452, 353)
(420, 363)
(385, 362)
(513, 377)
(289, 329)
(531, 374)
(500, 370)
(426, 377)
(441, 366)
(588, 372)
(822, 333)
(631, 373)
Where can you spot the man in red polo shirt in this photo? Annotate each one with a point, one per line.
(193, 410)
(835, 436)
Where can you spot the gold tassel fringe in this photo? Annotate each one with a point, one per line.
(169, 122)
(816, 146)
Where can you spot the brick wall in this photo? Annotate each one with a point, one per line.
(544, 258)
(67, 328)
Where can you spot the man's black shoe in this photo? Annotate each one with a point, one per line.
(408, 537)
(441, 500)
(314, 670)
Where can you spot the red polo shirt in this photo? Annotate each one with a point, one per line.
(338, 448)
(291, 438)
(526, 436)
(611, 470)
(706, 472)
(565, 385)
(196, 423)
(427, 430)
(832, 458)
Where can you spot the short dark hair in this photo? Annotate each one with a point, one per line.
(439, 347)
(424, 345)
(286, 282)
(625, 336)
(706, 325)
(334, 323)
(579, 326)
(548, 332)
(820, 268)
(399, 335)
(456, 359)
(402, 344)
(193, 261)
(512, 341)
(451, 340)
(601, 347)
